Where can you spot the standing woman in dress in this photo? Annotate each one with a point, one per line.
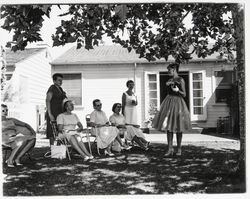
(173, 116)
(54, 103)
(129, 103)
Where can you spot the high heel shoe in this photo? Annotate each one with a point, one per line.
(109, 153)
(126, 147)
(9, 164)
(178, 152)
(18, 163)
(91, 157)
(170, 153)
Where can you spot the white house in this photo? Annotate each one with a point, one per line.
(103, 72)
(28, 75)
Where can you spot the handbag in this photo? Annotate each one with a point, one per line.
(58, 151)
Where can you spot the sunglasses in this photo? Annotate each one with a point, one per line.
(98, 105)
(5, 110)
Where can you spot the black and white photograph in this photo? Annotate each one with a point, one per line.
(124, 99)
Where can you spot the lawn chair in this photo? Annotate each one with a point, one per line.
(90, 131)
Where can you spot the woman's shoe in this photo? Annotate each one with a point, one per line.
(10, 165)
(17, 163)
(86, 158)
(91, 157)
(170, 153)
(108, 153)
(178, 152)
(126, 147)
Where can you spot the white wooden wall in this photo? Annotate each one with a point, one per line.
(33, 74)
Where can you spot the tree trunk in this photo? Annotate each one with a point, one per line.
(238, 19)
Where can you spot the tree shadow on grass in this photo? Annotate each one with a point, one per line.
(198, 170)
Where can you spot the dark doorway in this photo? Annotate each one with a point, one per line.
(164, 77)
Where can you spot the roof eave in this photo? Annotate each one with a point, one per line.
(132, 62)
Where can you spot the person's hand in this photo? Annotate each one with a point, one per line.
(169, 83)
(79, 129)
(175, 88)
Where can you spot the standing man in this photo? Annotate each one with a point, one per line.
(54, 103)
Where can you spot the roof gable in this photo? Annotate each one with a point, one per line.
(14, 57)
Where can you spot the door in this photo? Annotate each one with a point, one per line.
(198, 109)
(152, 94)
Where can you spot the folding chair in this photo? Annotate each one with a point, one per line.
(59, 140)
(90, 131)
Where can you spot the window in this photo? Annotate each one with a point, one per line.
(72, 85)
(197, 94)
(8, 76)
(224, 81)
(152, 85)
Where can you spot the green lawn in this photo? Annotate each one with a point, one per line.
(201, 169)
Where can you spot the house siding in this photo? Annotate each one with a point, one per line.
(38, 72)
(32, 77)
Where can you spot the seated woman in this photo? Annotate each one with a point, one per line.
(106, 134)
(67, 123)
(131, 132)
(18, 135)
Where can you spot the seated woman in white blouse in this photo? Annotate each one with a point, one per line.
(131, 132)
(106, 134)
(67, 125)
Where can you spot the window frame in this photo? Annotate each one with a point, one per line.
(81, 78)
(221, 87)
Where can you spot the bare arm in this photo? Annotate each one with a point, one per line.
(80, 127)
(136, 101)
(60, 128)
(134, 125)
(20, 123)
(48, 99)
(123, 102)
(182, 91)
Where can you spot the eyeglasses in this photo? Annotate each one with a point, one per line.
(98, 105)
(118, 107)
(5, 110)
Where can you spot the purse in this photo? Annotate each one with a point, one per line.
(58, 151)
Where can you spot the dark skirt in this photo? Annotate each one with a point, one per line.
(173, 115)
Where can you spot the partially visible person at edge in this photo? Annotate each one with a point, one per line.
(18, 135)
(129, 103)
(54, 103)
(173, 116)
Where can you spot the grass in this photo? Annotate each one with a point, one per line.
(201, 169)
